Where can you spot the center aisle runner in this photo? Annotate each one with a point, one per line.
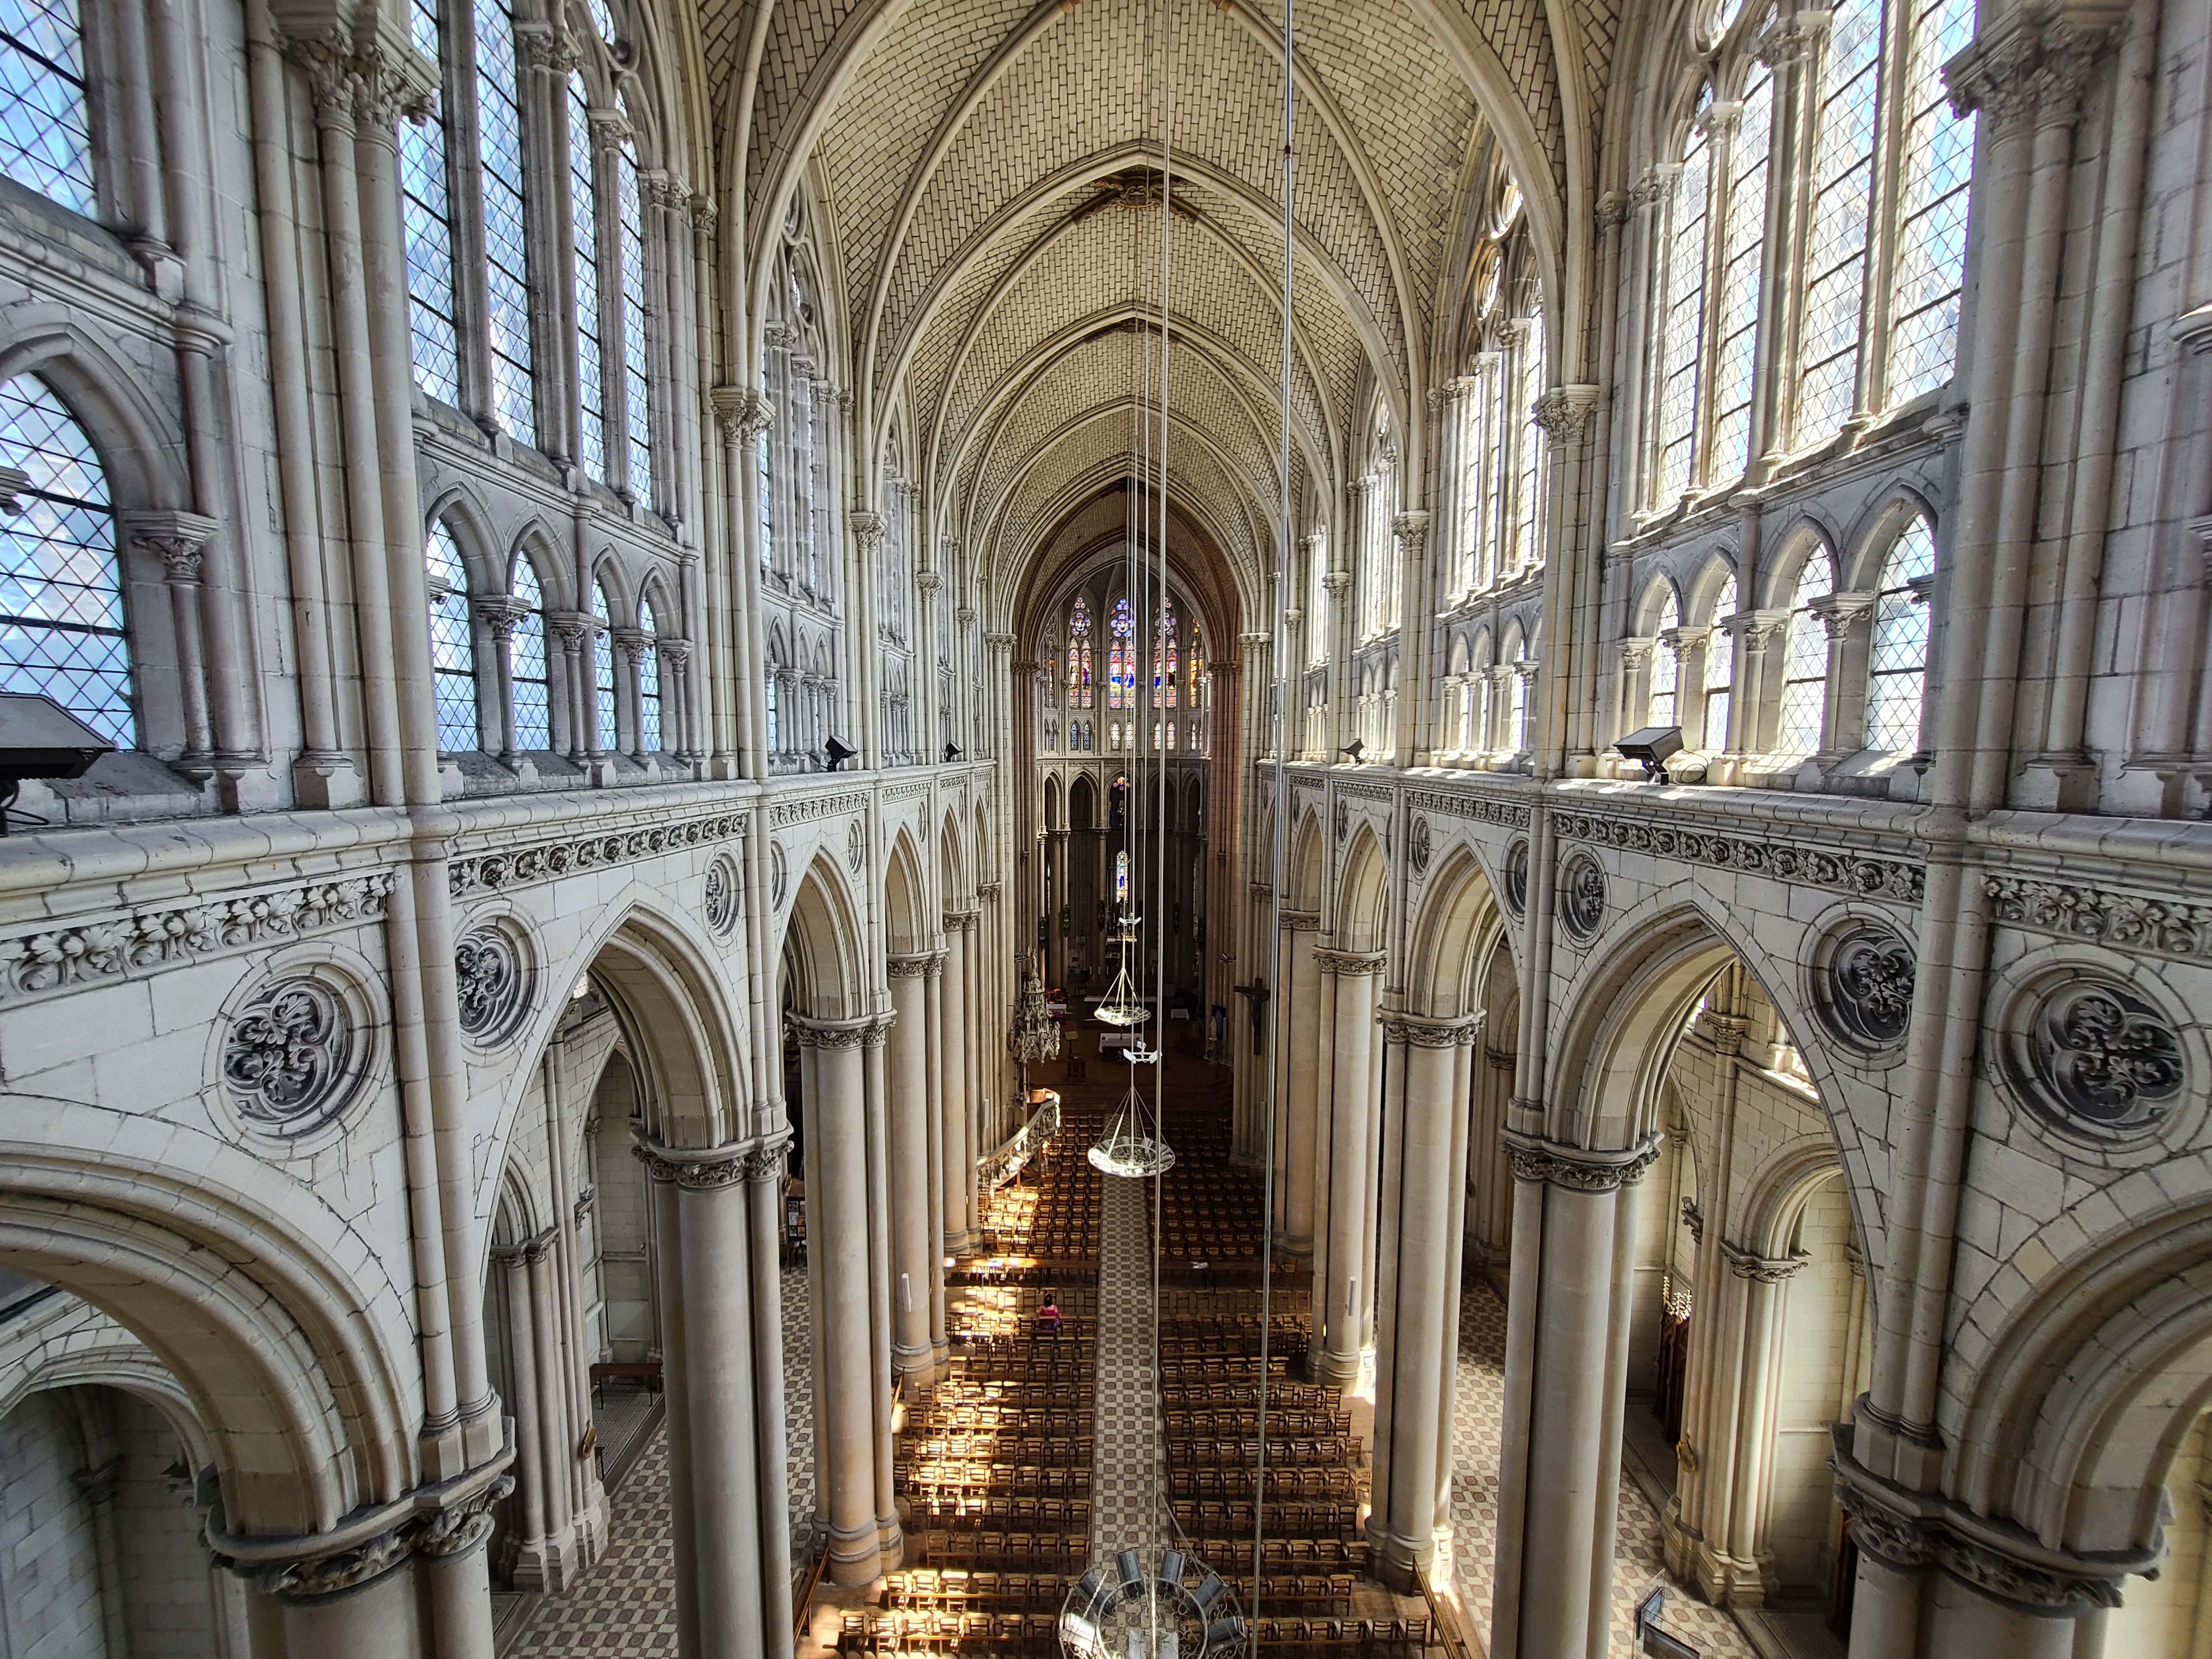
(1126, 1464)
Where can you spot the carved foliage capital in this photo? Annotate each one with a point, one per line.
(1578, 1170)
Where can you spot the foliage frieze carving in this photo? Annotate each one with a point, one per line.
(1506, 815)
(493, 873)
(1852, 872)
(808, 808)
(2120, 919)
(115, 947)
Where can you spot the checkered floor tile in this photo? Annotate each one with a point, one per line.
(625, 1605)
(1127, 1461)
(1478, 1418)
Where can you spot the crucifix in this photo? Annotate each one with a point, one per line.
(1255, 996)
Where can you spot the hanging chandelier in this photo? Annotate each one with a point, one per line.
(1150, 1605)
(1121, 1004)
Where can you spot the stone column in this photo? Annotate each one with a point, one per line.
(1344, 1288)
(940, 1345)
(457, 1578)
(1424, 1196)
(833, 1078)
(555, 1436)
(98, 1486)
(1565, 1373)
(665, 1217)
(914, 1252)
(959, 1154)
(529, 1459)
(1935, 1580)
(179, 541)
(1302, 1037)
(890, 1543)
(764, 1208)
(718, 1399)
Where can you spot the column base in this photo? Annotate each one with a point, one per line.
(891, 1545)
(961, 1244)
(1399, 1562)
(854, 1557)
(1333, 1370)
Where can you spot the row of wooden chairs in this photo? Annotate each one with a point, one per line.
(940, 1479)
(1226, 1520)
(1017, 1514)
(967, 1417)
(992, 1547)
(960, 1591)
(1288, 1451)
(1201, 1393)
(1054, 1451)
(993, 1632)
(1176, 1370)
(1242, 1421)
(1283, 1485)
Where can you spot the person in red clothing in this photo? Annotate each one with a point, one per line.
(1047, 1315)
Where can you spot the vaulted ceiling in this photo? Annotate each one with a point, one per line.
(982, 175)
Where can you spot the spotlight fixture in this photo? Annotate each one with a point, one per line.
(838, 753)
(951, 753)
(1653, 746)
(1355, 749)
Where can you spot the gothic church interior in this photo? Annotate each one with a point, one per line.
(855, 799)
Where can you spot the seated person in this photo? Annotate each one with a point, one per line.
(1047, 1315)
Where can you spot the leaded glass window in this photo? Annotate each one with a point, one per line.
(1898, 665)
(1931, 231)
(1744, 241)
(1529, 526)
(767, 483)
(453, 645)
(527, 666)
(1666, 668)
(1805, 661)
(648, 685)
(775, 736)
(1164, 660)
(1682, 339)
(1835, 257)
(637, 408)
(607, 734)
(426, 214)
(584, 213)
(61, 582)
(46, 131)
(603, 18)
(1720, 668)
(506, 262)
(1516, 702)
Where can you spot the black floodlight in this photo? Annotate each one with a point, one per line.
(1651, 1639)
(1654, 745)
(951, 753)
(1354, 748)
(838, 753)
(39, 739)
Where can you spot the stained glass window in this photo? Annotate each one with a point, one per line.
(1165, 660)
(1805, 663)
(426, 220)
(1720, 669)
(1121, 667)
(507, 260)
(1899, 663)
(608, 735)
(637, 405)
(1931, 230)
(1079, 654)
(1744, 241)
(1666, 668)
(526, 669)
(61, 585)
(1682, 339)
(584, 261)
(1835, 258)
(46, 133)
(453, 645)
(648, 684)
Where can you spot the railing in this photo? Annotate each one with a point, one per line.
(1443, 1620)
(803, 1614)
(1002, 1163)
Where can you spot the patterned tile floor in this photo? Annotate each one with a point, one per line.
(1477, 1417)
(798, 1411)
(1126, 1460)
(624, 1606)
